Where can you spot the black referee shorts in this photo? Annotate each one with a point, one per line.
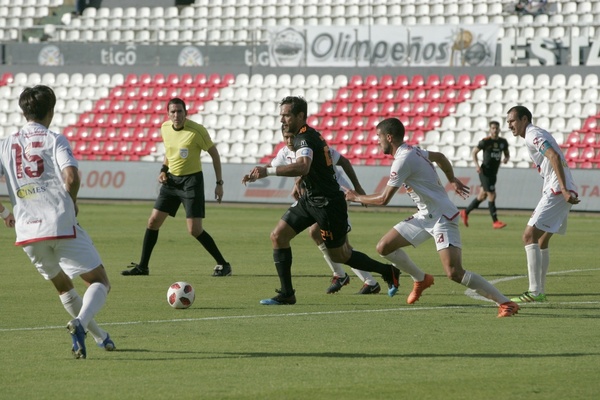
(187, 190)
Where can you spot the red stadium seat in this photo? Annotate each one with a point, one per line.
(387, 109)
(402, 95)
(131, 80)
(200, 80)
(356, 123)
(433, 123)
(419, 94)
(326, 108)
(385, 82)
(371, 81)
(417, 137)
(572, 154)
(403, 108)
(478, 81)
(173, 80)
(590, 139)
(572, 140)
(340, 123)
(371, 108)
(386, 94)
(417, 81)
(145, 80)
(590, 125)
(355, 151)
(355, 81)
(343, 94)
(215, 80)
(159, 79)
(433, 80)
(448, 81)
(464, 81)
(228, 79)
(401, 81)
(434, 95)
(370, 94)
(588, 154)
(186, 80)
(356, 108)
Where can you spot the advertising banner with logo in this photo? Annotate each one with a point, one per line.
(383, 46)
(59, 54)
(518, 188)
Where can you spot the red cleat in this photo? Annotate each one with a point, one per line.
(465, 217)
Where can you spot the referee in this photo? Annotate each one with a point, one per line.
(183, 183)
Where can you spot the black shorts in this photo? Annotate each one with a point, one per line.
(488, 182)
(332, 218)
(186, 189)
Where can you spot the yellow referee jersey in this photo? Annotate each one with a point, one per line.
(183, 147)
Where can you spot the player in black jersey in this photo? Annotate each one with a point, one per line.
(493, 147)
(319, 200)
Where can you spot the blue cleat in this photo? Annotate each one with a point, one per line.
(280, 299)
(393, 281)
(107, 344)
(78, 336)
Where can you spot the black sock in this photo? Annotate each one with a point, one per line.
(283, 264)
(474, 204)
(209, 244)
(150, 239)
(492, 207)
(363, 262)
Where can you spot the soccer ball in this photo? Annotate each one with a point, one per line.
(180, 295)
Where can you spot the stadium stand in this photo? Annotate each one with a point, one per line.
(111, 116)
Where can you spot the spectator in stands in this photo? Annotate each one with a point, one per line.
(493, 147)
(43, 182)
(559, 193)
(286, 155)
(81, 5)
(182, 181)
(533, 7)
(319, 200)
(436, 217)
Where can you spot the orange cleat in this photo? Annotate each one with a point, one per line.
(508, 309)
(418, 288)
(498, 225)
(465, 217)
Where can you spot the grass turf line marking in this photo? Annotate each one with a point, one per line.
(472, 294)
(300, 314)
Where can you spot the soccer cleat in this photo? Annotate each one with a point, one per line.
(465, 217)
(529, 297)
(135, 270)
(418, 288)
(78, 336)
(222, 270)
(337, 282)
(280, 299)
(392, 279)
(498, 224)
(107, 344)
(508, 309)
(370, 289)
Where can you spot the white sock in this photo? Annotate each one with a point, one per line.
(365, 276)
(545, 253)
(72, 304)
(336, 268)
(401, 260)
(483, 287)
(534, 268)
(93, 300)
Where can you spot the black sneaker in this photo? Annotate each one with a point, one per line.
(393, 280)
(337, 282)
(222, 270)
(135, 270)
(280, 300)
(370, 289)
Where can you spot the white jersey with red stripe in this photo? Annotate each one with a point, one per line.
(412, 170)
(286, 156)
(32, 160)
(538, 141)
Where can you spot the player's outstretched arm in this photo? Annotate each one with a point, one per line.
(440, 159)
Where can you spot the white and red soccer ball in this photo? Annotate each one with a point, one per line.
(180, 295)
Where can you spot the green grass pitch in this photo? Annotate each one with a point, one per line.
(342, 346)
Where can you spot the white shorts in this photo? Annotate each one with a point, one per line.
(74, 256)
(550, 214)
(419, 228)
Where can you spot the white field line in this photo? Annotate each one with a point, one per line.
(468, 292)
(472, 294)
